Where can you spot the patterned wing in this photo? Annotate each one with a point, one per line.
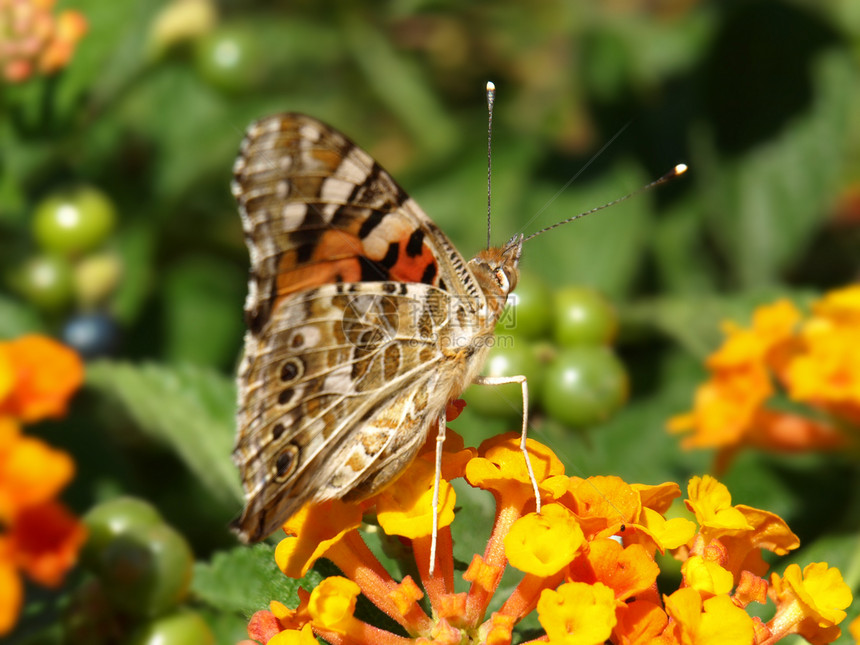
(317, 209)
(337, 396)
(351, 285)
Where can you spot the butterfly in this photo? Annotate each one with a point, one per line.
(363, 321)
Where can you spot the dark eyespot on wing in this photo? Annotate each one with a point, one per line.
(372, 271)
(415, 244)
(391, 255)
(289, 371)
(429, 274)
(304, 252)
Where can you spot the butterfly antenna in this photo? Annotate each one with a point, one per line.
(491, 98)
(677, 171)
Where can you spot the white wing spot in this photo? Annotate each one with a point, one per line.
(336, 190)
(293, 215)
(310, 133)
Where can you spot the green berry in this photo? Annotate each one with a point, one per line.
(46, 281)
(511, 356)
(182, 627)
(147, 572)
(583, 316)
(108, 520)
(584, 385)
(229, 58)
(74, 221)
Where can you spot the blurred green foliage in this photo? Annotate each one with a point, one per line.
(761, 98)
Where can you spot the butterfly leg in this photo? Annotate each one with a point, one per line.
(440, 440)
(504, 380)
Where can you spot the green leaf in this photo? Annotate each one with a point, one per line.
(135, 243)
(187, 408)
(110, 55)
(202, 288)
(17, 318)
(763, 207)
(189, 123)
(457, 198)
(602, 251)
(413, 103)
(678, 250)
(246, 579)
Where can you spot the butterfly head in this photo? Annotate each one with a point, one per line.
(496, 270)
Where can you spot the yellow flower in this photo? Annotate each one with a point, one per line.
(810, 603)
(544, 544)
(708, 578)
(303, 636)
(407, 509)
(715, 621)
(577, 613)
(712, 503)
(332, 604)
(501, 469)
(827, 371)
(588, 560)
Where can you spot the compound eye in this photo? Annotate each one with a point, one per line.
(502, 279)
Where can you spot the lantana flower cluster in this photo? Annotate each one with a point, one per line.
(33, 39)
(39, 537)
(589, 563)
(814, 361)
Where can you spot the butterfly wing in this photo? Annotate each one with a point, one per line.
(351, 288)
(317, 209)
(342, 385)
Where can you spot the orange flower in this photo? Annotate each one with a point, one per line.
(501, 469)
(40, 538)
(314, 529)
(45, 374)
(817, 361)
(628, 571)
(44, 542)
(34, 38)
(11, 594)
(588, 563)
(31, 472)
(640, 621)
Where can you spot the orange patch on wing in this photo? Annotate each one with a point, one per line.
(334, 259)
(329, 158)
(412, 269)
